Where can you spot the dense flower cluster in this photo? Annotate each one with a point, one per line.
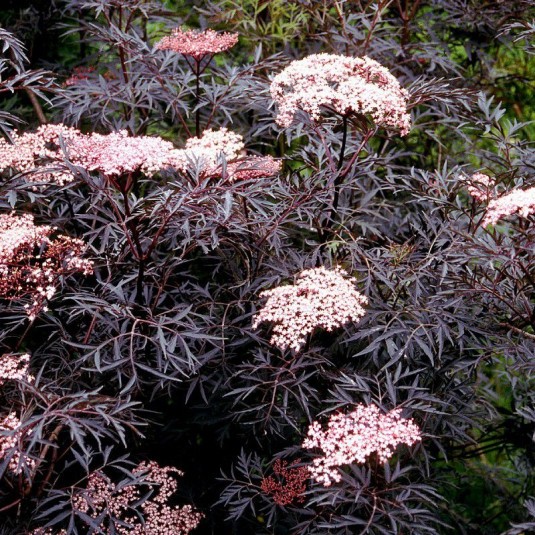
(519, 201)
(119, 501)
(344, 85)
(9, 438)
(38, 154)
(198, 44)
(481, 187)
(321, 298)
(352, 437)
(206, 151)
(32, 262)
(289, 486)
(15, 368)
(118, 153)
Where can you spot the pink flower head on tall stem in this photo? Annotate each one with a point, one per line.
(197, 44)
(351, 438)
(343, 85)
(320, 298)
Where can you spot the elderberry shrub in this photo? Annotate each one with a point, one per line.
(268, 268)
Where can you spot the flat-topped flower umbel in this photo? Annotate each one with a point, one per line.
(343, 85)
(118, 153)
(288, 484)
(351, 438)
(197, 44)
(208, 149)
(320, 298)
(39, 157)
(214, 145)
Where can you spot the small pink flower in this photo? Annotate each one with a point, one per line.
(206, 151)
(118, 153)
(37, 155)
(198, 44)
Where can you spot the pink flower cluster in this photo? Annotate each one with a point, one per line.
(10, 435)
(159, 518)
(481, 187)
(32, 263)
(321, 298)
(197, 44)
(15, 368)
(118, 153)
(214, 145)
(344, 85)
(208, 150)
(289, 484)
(38, 154)
(351, 438)
(519, 201)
